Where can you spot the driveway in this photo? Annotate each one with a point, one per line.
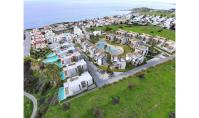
(27, 44)
(34, 100)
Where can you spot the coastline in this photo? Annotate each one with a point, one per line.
(63, 22)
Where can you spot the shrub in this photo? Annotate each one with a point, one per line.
(172, 115)
(66, 106)
(131, 86)
(115, 100)
(42, 100)
(151, 32)
(45, 88)
(39, 114)
(98, 113)
(140, 75)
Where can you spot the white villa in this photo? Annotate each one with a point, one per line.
(135, 58)
(70, 58)
(77, 31)
(100, 57)
(74, 69)
(118, 63)
(77, 84)
(169, 46)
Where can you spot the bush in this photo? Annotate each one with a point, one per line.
(140, 75)
(151, 32)
(66, 106)
(42, 100)
(115, 100)
(39, 114)
(53, 100)
(131, 86)
(172, 115)
(98, 113)
(46, 87)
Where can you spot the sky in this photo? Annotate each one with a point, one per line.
(105, 1)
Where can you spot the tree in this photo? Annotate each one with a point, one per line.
(109, 70)
(115, 100)
(66, 106)
(130, 86)
(98, 113)
(172, 115)
(53, 73)
(140, 75)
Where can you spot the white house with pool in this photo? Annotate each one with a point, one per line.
(75, 68)
(75, 85)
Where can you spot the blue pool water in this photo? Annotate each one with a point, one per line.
(62, 75)
(112, 50)
(51, 59)
(51, 55)
(61, 94)
(59, 64)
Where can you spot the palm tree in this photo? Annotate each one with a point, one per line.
(52, 71)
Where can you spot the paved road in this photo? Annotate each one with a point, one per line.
(27, 44)
(34, 100)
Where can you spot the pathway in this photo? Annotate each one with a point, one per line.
(34, 100)
(27, 44)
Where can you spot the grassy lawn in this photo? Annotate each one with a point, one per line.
(152, 30)
(28, 107)
(151, 97)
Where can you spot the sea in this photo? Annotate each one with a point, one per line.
(38, 13)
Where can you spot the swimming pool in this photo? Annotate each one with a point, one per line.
(59, 64)
(61, 95)
(62, 75)
(51, 55)
(113, 50)
(51, 58)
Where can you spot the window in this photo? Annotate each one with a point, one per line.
(83, 83)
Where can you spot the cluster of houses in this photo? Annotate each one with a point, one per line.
(60, 38)
(75, 72)
(38, 40)
(138, 41)
(164, 22)
(135, 57)
(74, 68)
